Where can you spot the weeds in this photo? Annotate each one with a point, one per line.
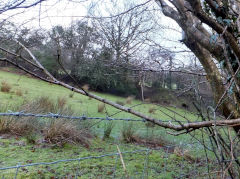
(5, 124)
(60, 105)
(56, 131)
(128, 133)
(44, 104)
(61, 131)
(5, 87)
(108, 129)
(39, 105)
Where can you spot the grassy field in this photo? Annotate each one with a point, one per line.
(163, 164)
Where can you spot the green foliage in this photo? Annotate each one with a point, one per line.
(48, 61)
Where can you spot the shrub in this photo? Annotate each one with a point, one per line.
(108, 129)
(5, 87)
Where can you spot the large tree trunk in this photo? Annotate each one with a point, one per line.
(189, 16)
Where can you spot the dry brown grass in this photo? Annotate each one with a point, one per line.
(61, 131)
(45, 104)
(85, 87)
(42, 104)
(185, 154)
(129, 99)
(26, 127)
(5, 87)
(128, 133)
(5, 125)
(152, 141)
(152, 110)
(61, 102)
(19, 92)
(55, 131)
(101, 107)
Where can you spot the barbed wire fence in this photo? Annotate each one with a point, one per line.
(172, 161)
(83, 117)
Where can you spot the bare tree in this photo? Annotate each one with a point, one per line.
(221, 45)
(18, 4)
(210, 30)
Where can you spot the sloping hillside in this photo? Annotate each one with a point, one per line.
(21, 150)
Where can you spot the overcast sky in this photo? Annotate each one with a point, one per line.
(61, 12)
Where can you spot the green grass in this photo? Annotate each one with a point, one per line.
(160, 163)
(33, 88)
(11, 153)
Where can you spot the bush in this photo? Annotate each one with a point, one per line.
(5, 87)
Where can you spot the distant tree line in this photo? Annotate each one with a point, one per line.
(111, 55)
